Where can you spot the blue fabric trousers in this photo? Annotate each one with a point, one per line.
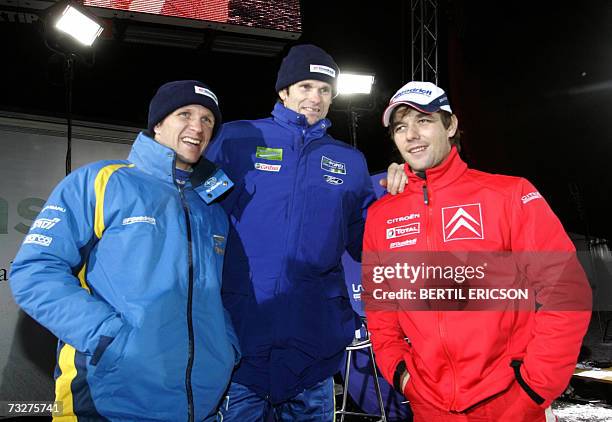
(315, 404)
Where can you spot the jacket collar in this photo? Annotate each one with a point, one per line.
(158, 160)
(153, 158)
(291, 119)
(449, 170)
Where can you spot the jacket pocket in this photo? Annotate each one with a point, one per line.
(321, 318)
(341, 314)
(109, 359)
(515, 405)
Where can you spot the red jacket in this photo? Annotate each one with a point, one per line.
(459, 359)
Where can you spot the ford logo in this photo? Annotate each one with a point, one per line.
(210, 182)
(333, 180)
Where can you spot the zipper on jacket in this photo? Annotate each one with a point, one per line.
(442, 331)
(302, 148)
(429, 216)
(188, 371)
(289, 210)
(300, 145)
(441, 320)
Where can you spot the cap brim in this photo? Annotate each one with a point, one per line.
(427, 109)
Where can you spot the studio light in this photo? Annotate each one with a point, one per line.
(69, 30)
(353, 83)
(350, 84)
(78, 25)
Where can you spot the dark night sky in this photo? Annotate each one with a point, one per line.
(530, 82)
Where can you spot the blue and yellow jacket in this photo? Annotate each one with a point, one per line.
(124, 267)
(299, 203)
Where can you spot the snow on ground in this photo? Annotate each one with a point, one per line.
(569, 412)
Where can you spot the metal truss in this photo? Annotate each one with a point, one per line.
(424, 40)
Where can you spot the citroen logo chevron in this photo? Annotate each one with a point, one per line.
(465, 223)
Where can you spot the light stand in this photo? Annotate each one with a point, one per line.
(69, 30)
(68, 80)
(353, 117)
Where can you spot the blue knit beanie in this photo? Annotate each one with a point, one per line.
(307, 61)
(177, 94)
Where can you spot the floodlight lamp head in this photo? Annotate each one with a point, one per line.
(69, 28)
(354, 83)
(78, 25)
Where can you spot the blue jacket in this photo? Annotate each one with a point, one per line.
(124, 268)
(299, 202)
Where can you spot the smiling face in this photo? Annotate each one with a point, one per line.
(421, 138)
(187, 131)
(310, 97)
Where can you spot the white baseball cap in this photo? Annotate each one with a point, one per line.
(423, 96)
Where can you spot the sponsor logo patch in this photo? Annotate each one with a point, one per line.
(332, 166)
(407, 242)
(531, 196)
(403, 218)
(268, 167)
(462, 222)
(401, 231)
(53, 208)
(332, 180)
(420, 91)
(319, 68)
(215, 186)
(45, 223)
(203, 91)
(38, 239)
(213, 183)
(275, 154)
(139, 219)
(219, 242)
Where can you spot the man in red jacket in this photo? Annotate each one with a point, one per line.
(457, 352)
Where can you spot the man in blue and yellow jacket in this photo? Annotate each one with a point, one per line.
(124, 266)
(298, 205)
